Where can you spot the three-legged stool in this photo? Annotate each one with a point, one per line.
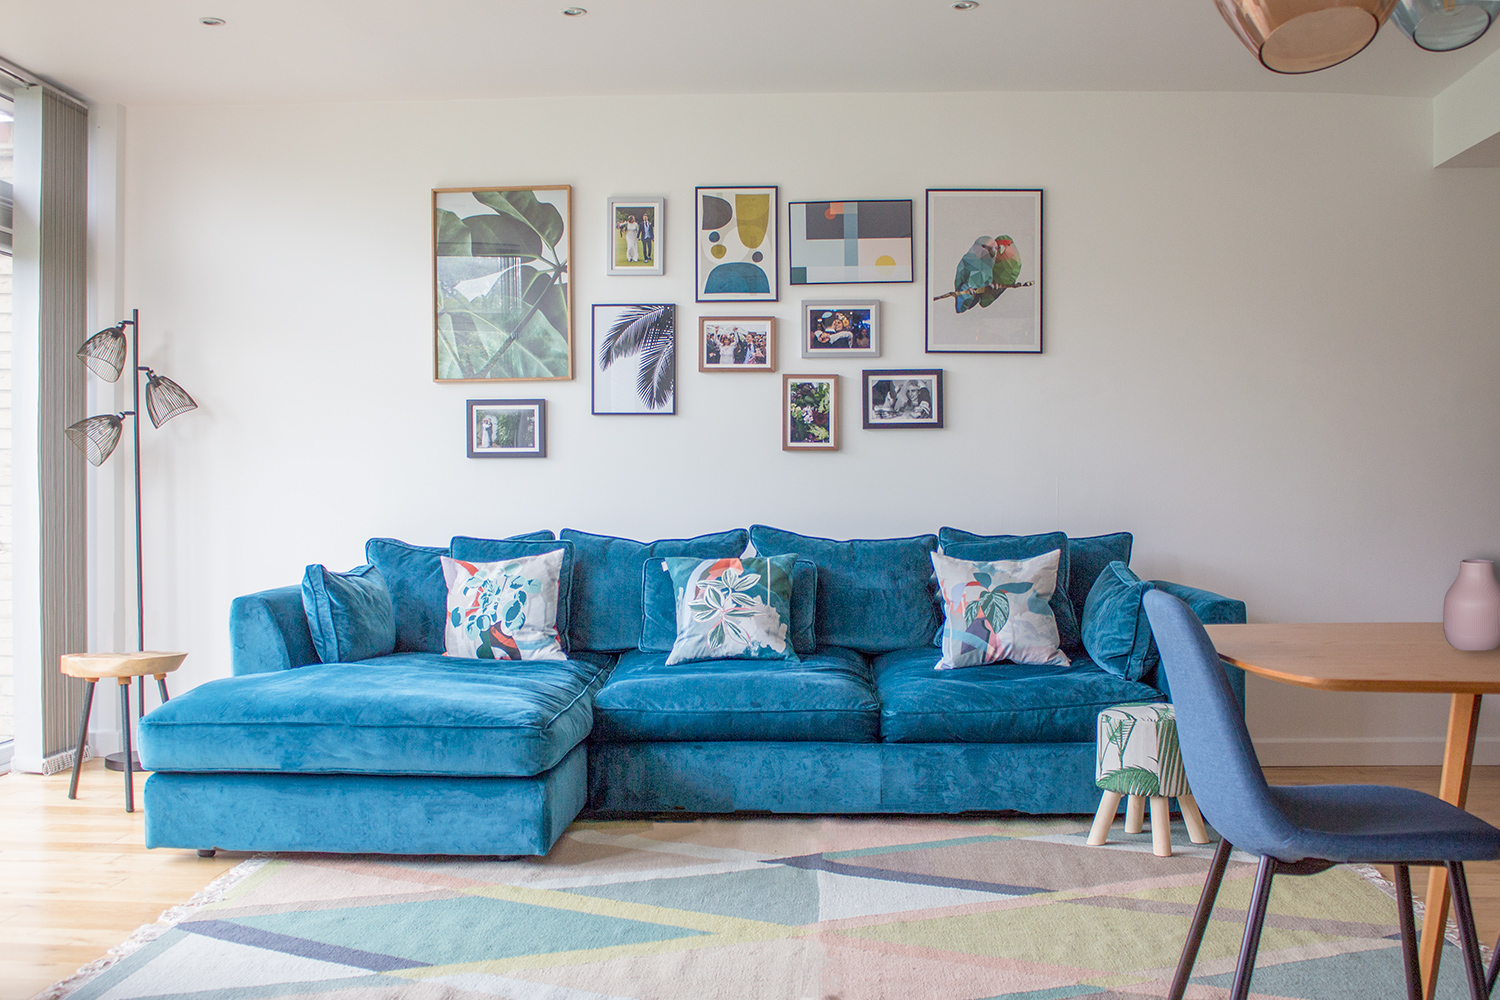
(1138, 756)
(125, 667)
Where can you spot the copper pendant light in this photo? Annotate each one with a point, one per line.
(1304, 36)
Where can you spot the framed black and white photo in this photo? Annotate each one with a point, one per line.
(737, 344)
(634, 355)
(507, 428)
(840, 328)
(902, 397)
(635, 235)
(735, 259)
(984, 271)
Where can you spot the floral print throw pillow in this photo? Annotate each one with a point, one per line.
(503, 610)
(732, 609)
(998, 611)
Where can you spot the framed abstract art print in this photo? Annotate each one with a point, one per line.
(850, 242)
(736, 252)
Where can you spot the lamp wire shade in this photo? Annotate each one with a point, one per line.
(96, 437)
(104, 353)
(165, 399)
(1445, 25)
(1304, 36)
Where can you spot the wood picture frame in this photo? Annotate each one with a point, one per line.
(809, 412)
(722, 339)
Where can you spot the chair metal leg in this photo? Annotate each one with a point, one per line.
(1409, 964)
(1200, 919)
(1463, 909)
(1254, 921)
(125, 733)
(1489, 977)
(83, 735)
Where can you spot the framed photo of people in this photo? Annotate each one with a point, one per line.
(502, 301)
(737, 344)
(736, 238)
(840, 328)
(850, 242)
(634, 354)
(902, 397)
(984, 271)
(507, 428)
(635, 235)
(809, 412)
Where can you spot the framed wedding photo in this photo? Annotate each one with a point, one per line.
(507, 428)
(502, 301)
(634, 353)
(809, 413)
(737, 344)
(736, 236)
(902, 397)
(840, 328)
(850, 242)
(984, 271)
(635, 235)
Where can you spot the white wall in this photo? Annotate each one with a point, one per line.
(1271, 350)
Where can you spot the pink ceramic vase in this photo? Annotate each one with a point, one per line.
(1471, 611)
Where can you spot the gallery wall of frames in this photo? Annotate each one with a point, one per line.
(508, 306)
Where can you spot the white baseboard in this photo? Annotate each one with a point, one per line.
(1370, 751)
(7, 751)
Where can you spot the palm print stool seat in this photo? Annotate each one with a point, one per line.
(1138, 757)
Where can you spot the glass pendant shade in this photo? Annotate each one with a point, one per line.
(104, 353)
(1444, 25)
(96, 437)
(1304, 36)
(165, 399)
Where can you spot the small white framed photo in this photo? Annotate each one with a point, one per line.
(635, 235)
(840, 328)
(737, 344)
(902, 397)
(507, 428)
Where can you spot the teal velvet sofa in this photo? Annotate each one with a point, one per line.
(416, 752)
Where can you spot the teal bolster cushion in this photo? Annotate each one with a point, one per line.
(1087, 558)
(874, 595)
(493, 550)
(606, 613)
(1116, 633)
(959, 544)
(659, 608)
(414, 575)
(350, 615)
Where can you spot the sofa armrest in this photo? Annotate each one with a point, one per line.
(268, 631)
(1211, 609)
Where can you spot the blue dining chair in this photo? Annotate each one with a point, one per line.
(1300, 830)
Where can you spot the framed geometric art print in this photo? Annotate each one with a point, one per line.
(850, 242)
(736, 244)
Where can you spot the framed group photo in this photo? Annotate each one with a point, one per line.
(984, 271)
(635, 235)
(634, 353)
(902, 397)
(737, 344)
(502, 301)
(736, 239)
(809, 412)
(850, 242)
(507, 428)
(840, 328)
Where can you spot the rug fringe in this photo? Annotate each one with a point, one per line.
(146, 933)
(1370, 874)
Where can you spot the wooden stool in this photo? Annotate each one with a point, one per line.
(125, 667)
(1138, 756)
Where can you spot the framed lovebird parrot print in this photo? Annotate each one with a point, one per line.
(984, 271)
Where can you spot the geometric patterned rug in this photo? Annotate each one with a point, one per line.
(853, 908)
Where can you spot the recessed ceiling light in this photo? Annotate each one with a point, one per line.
(212, 22)
(574, 11)
(965, 4)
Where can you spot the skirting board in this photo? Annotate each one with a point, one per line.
(1370, 751)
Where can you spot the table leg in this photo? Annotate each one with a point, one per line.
(83, 735)
(125, 733)
(1458, 758)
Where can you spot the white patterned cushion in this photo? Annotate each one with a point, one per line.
(998, 610)
(503, 610)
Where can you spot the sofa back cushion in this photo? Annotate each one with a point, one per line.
(1087, 558)
(874, 595)
(606, 607)
(414, 576)
(350, 615)
(959, 544)
(659, 608)
(1116, 633)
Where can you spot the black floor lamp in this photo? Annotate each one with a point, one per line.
(97, 437)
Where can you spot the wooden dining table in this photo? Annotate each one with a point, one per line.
(1395, 657)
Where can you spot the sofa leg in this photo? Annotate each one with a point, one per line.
(1197, 832)
(1161, 826)
(207, 852)
(1104, 818)
(1135, 814)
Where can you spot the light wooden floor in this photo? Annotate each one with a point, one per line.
(76, 879)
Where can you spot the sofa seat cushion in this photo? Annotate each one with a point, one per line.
(408, 713)
(825, 697)
(996, 703)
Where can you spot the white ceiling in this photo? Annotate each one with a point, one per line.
(156, 51)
